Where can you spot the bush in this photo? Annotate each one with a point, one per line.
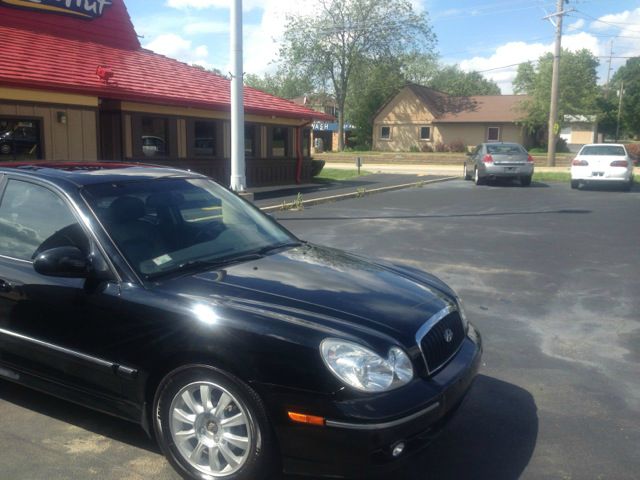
(537, 150)
(440, 147)
(457, 146)
(414, 149)
(426, 148)
(316, 167)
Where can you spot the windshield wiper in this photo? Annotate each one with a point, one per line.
(206, 264)
(276, 246)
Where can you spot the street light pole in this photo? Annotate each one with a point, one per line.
(238, 178)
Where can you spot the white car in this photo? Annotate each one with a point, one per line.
(602, 162)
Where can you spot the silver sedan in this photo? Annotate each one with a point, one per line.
(490, 161)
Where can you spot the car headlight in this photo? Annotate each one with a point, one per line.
(365, 370)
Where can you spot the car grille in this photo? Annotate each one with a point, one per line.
(432, 339)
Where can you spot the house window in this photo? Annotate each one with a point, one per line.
(425, 133)
(279, 141)
(385, 133)
(155, 136)
(493, 134)
(204, 139)
(20, 139)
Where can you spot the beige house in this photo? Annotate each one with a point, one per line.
(420, 118)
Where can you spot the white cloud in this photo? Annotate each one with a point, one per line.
(624, 26)
(197, 28)
(202, 4)
(577, 25)
(508, 54)
(174, 46)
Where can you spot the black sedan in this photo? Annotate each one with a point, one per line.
(158, 296)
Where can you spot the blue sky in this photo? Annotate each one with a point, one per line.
(483, 35)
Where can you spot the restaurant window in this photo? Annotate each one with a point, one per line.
(493, 134)
(204, 141)
(425, 133)
(279, 141)
(385, 133)
(155, 136)
(306, 142)
(20, 139)
(250, 141)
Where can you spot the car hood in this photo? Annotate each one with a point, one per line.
(341, 291)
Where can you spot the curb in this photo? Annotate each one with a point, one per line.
(350, 195)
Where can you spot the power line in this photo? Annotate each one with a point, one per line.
(615, 24)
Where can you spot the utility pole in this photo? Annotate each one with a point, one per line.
(621, 94)
(238, 178)
(553, 110)
(606, 86)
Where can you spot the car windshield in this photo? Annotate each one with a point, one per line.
(163, 226)
(505, 149)
(609, 150)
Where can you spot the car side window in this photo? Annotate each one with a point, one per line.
(33, 218)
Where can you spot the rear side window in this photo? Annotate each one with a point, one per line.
(30, 215)
(613, 150)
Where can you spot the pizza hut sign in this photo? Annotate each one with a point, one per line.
(88, 9)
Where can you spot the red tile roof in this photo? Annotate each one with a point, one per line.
(52, 61)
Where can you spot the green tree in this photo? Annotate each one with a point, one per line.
(372, 85)
(450, 79)
(331, 44)
(281, 83)
(629, 75)
(578, 90)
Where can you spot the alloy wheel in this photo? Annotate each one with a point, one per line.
(211, 428)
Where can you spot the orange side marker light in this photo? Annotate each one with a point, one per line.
(308, 419)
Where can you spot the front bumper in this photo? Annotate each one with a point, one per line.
(360, 433)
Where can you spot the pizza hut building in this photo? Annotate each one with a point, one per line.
(75, 84)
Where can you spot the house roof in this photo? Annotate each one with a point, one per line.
(473, 109)
(42, 57)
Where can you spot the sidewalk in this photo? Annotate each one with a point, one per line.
(273, 198)
(448, 170)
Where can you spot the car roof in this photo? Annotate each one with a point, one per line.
(603, 145)
(91, 173)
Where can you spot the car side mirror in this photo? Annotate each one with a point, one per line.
(67, 262)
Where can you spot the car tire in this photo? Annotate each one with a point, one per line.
(465, 173)
(477, 179)
(525, 181)
(5, 149)
(200, 441)
(628, 186)
(575, 184)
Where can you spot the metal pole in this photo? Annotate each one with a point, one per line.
(619, 109)
(553, 110)
(238, 178)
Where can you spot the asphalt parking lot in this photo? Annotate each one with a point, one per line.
(548, 274)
